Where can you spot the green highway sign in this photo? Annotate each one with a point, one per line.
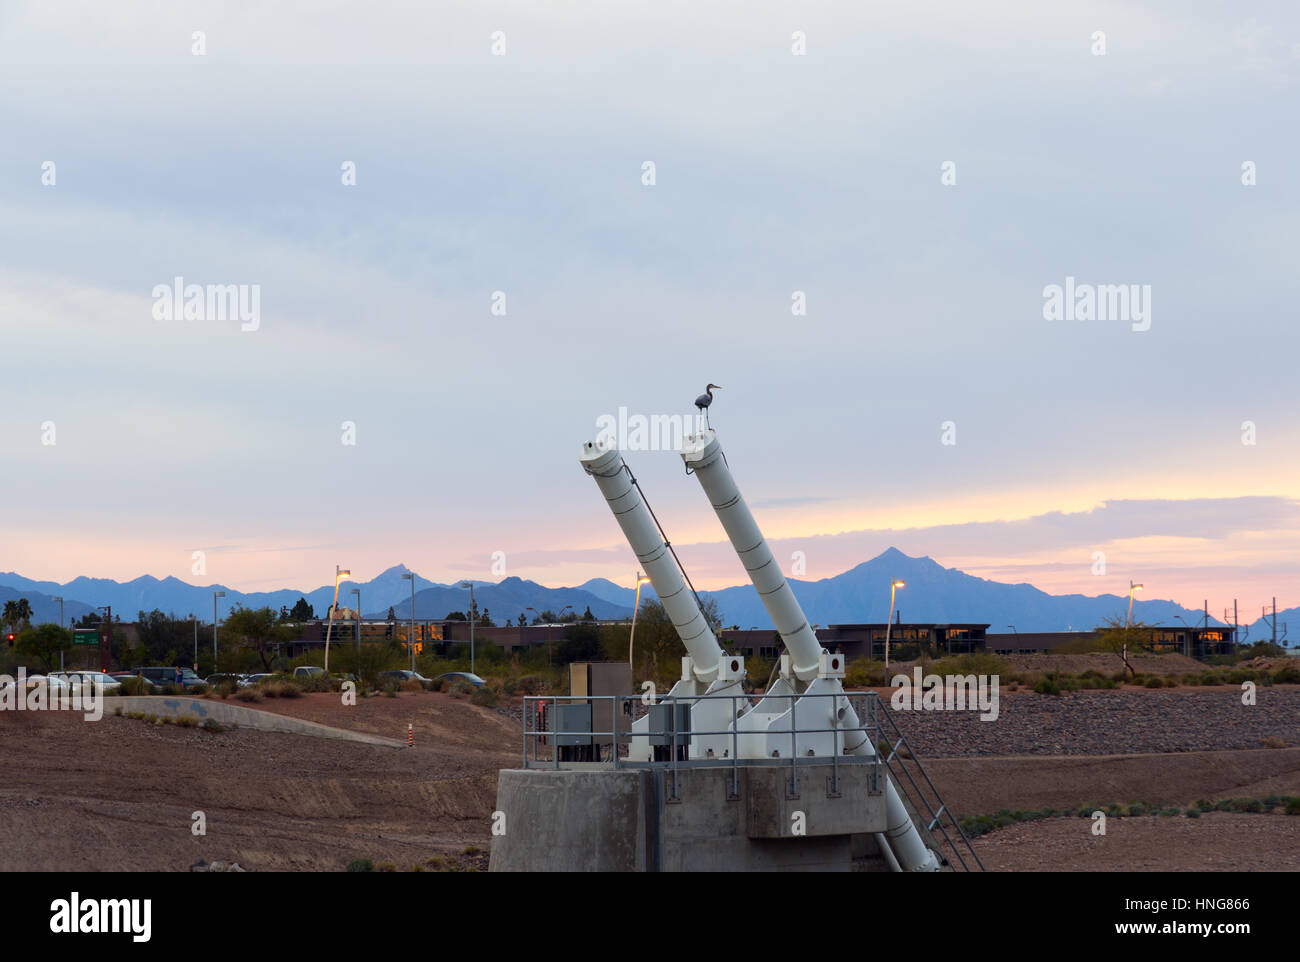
(85, 636)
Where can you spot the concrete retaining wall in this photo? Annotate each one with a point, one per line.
(201, 709)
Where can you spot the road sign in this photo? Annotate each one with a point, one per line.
(85, 636)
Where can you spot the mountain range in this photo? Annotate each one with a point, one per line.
(932, 593)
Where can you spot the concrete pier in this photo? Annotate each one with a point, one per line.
(636, 820)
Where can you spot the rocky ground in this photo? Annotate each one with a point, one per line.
(1109, 722)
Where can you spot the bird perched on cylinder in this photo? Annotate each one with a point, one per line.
(704, 400)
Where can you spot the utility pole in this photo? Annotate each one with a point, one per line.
(106, 640)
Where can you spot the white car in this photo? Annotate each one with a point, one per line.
(76, 679)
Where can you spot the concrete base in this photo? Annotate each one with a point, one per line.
(629, 820)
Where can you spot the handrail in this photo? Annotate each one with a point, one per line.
(936, 817)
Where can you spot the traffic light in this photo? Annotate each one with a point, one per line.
(10, 638)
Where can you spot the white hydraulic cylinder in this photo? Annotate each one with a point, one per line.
(703, 455)
(606, 465)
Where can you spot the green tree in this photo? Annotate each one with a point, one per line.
(455, 616)
(254, 630)
(44, 643)
(587, 615)
(1122, 640)
(302, 611)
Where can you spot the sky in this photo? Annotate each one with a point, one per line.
(435, 341)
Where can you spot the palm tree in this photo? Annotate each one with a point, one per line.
(11, 613)
(23, 610)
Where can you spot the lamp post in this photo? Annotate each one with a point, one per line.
(357, 592)
(894, 585)
(215, 596)
(195, 618)
(473, 616)
(340, 574)
(410, 634)
(640, 580)
(1127, 618)
(59, 599)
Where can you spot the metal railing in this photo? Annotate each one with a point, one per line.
(617, 739)
(894, 761)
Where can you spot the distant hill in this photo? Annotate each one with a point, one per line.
(933, 594)
(941, 595)
(509, 599)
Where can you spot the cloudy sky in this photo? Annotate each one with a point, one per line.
(131, 442)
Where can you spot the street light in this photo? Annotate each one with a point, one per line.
(195, 618)
(340, 574)
(1127, 618)
(357, 592)
(894, 585)
(1131, 588)
(59, 599)
(215, 596)
(472, 617)
(640, 580)
(410, 634)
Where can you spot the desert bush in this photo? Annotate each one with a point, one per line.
(410, 684)
(361, 865)
(212, 725)
(483, 697)
(1171, 810)
(1293, 806)
(185, 721)
(1290, 675)
(134, 686)
(861, 673)
(530, 684)
(1193, 813)
(247, 694)
(1171, 681)
(509, 686)
(972, 663)
(1154, 682)
(1048, 686)
(462, 688)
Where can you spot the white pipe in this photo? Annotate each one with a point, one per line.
(606, 465)
(703, 455)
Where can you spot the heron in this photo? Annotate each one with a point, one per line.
(704, 400)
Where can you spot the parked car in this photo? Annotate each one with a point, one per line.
(257, 679)
(308, 671)
(218, 679)
(150, 687)
(402, 675)
(78, 679)
(455, 676)
(160, 676)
